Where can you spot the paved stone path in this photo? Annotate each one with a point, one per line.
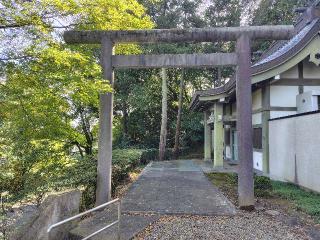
(175, 187)
(170, 187)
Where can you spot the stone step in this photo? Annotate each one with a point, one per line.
(130, 225)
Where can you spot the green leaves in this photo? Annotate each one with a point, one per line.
(49, 100)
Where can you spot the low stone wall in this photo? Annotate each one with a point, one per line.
(294, 150)
(31, 223)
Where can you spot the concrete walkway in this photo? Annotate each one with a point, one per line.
(175, 187)
(169, 187)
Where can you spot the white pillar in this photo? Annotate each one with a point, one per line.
(218, 135)
(207, 138)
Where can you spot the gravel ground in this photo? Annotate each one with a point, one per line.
(243, 226)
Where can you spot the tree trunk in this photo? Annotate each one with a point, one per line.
(125, 119)
(178, 125)
(164, 116)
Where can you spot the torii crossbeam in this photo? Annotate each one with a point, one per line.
(241, 59)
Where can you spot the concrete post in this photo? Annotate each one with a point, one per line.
(218, 135)
(244, 124)
(207, 137)
(103, 192)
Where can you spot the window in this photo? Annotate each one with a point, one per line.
(227, 137)
(257, 138)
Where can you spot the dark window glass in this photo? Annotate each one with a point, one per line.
(227, 137)
(257, 138)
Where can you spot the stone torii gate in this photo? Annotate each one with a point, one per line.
(241, 59)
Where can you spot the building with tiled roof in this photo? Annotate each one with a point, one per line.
(285, 82)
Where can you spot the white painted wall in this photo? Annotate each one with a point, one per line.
(294, 152)
(277, 114)
(311, 88)
(291, 73)
(307, 101)
(256, 99)
(283, 96)
(257, 160)
(256, 118)
(234, 109)
(228, 151)
(310, 70)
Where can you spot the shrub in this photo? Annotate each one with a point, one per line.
(152, 154)
(61, 172)
(262, 186)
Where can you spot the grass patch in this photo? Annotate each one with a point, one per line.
(305, 201)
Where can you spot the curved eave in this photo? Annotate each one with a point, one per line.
(291, 57)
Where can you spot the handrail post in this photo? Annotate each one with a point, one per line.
(119, 218)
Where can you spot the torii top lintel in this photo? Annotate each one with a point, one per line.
(279, 32)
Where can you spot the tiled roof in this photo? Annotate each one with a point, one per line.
(285, 47)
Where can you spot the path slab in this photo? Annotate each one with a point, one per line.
(170, 187)
(175, 187)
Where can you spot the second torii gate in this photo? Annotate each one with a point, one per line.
(241, 59)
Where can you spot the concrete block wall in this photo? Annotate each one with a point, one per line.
(294, 150)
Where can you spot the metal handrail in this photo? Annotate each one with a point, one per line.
(89, 211)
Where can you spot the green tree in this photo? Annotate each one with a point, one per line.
(50, 92)
(271, 12)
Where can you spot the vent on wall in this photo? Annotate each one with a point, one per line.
(308, 101)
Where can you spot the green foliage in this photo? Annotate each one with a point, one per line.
(223, 13)
(304, 200)
(271, 12)
(49, 99)
(262, 186)
(68, 172)
(277, 12)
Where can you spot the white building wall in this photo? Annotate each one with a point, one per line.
(228, 151)
(311, 88)
(277, 114)
(291, 73)
(256, 118)
(283, 96)
(234, 109)
(256, 100)
(294, 150)
(310, 70)
(257, 160)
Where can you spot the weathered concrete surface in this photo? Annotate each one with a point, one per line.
(130, 225)
(103, 191)
(294, 150)
(175, 187)
(54, 208)
(280, 32)
(174, 60)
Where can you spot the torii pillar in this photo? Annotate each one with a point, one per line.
(104, 168)
(244, 123)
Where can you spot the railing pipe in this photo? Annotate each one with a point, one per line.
(90, 211)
